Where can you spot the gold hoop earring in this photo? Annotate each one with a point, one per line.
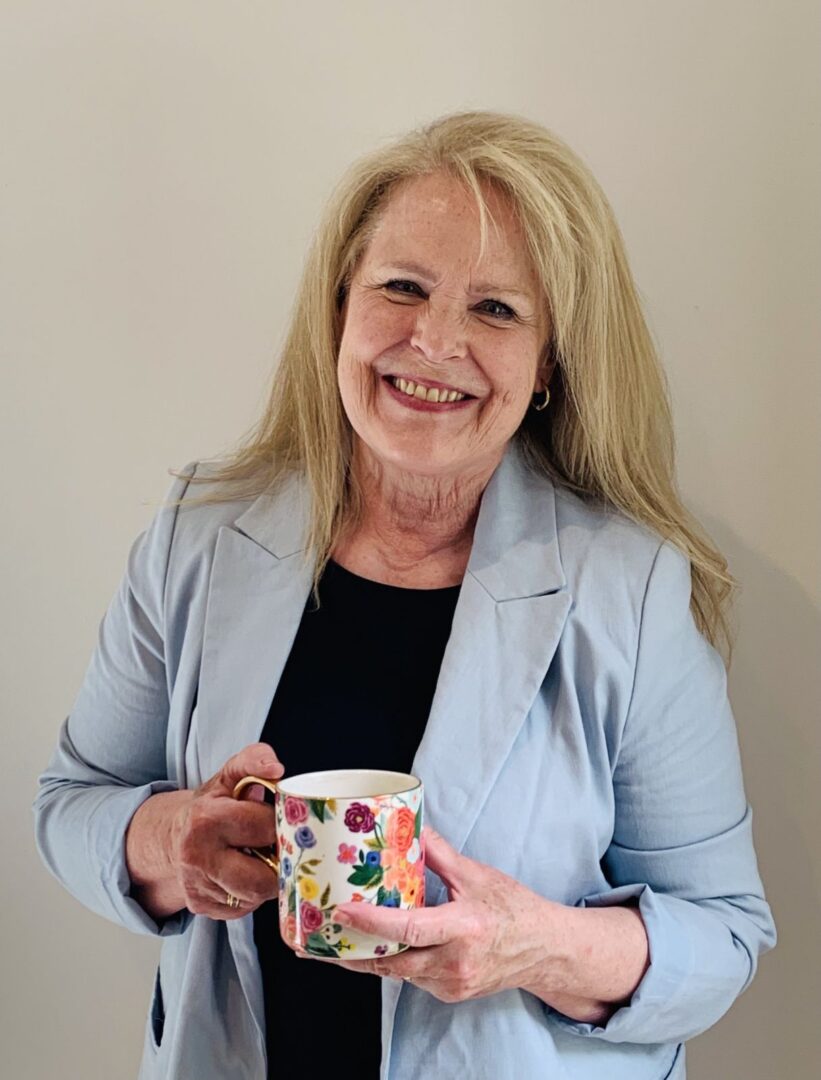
(539, 408)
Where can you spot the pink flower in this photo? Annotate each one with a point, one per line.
(347, 853)
(310, 917)
(296, 810)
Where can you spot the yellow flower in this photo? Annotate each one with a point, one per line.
(308, 888)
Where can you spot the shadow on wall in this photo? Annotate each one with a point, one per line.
(775, 691)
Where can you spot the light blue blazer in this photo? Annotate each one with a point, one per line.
(580, 740)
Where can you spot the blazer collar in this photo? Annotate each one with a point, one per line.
(515, 549)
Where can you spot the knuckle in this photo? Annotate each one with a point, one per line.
(189, 852)
(413, 933)
(465, 971)
(475, 928)
(198, 906)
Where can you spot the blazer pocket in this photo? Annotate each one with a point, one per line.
(157, 1012)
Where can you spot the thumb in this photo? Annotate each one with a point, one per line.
(444, 860)
(258, 759)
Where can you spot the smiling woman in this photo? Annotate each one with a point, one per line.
(451, 546)
(439, 331)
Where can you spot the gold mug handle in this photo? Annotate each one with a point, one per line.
(270, 860)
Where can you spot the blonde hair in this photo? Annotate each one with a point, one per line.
(607, 434)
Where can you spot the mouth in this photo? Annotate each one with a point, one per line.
(426, 392)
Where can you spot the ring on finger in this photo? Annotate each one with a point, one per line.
(233, 902)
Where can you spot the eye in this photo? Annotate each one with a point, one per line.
(396, 286)
(502, 310)
(505, 312)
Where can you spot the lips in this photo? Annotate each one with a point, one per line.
(419, 400)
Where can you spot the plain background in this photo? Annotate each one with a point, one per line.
(164, 165)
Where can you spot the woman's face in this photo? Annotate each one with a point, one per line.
(422, 308)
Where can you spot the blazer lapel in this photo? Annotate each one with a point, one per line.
(508, 620)
(259, 585)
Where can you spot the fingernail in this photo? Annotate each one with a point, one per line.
(342, 917)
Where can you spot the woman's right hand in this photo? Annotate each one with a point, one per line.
(183, 847)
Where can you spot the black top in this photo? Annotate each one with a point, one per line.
(355, 693)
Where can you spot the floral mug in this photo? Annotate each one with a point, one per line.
(343, 835)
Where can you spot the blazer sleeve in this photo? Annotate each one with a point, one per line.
(111, 751)
(682, 844)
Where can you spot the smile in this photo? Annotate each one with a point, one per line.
(426, 393)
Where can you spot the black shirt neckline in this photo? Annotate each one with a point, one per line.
(337, 574)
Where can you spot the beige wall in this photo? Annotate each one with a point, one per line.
(163, 167)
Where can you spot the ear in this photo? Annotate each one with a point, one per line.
(545, 369)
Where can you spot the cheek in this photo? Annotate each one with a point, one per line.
(372, 328)
(513, 376)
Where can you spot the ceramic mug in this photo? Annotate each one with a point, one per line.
(343, 835)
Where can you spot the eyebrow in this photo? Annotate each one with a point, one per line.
(479, 286)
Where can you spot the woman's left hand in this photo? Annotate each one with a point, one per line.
(494, 934)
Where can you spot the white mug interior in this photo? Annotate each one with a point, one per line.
(347, 784)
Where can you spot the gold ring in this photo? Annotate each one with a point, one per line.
(231, 901)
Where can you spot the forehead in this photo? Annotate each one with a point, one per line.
(436, 216)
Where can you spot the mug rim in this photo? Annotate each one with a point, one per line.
(414, 783)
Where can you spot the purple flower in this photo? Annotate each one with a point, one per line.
(287, 868)
(380, 950)
(359, 818)
(304, 837)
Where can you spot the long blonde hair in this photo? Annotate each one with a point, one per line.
(607, 434)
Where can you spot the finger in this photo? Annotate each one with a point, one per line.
(258, 759)
(245, 877)
(444, 860)
(425, 963)
(206, 897)
(418, 927)
(245, 824)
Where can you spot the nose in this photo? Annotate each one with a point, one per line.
(439, 333)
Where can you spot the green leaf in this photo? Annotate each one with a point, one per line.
(326, 896)
(374, 845)
(318, 946)
(305, 869)
(312, 862)
(292, 902)
(317, 808)
(382, 895)
(367, 876)
(417, 828)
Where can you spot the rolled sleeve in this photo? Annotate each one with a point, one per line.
(682, 845)
(111, 751)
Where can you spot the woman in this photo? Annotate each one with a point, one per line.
(467, 460)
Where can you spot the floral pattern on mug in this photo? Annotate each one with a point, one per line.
(385, 859)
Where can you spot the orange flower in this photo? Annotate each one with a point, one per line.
(401, 826)
(396, 875)
(357, 897)
(411, 891)
(289, 929)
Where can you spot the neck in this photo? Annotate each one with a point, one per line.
(414, 525)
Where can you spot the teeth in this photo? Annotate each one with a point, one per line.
(424, 393)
